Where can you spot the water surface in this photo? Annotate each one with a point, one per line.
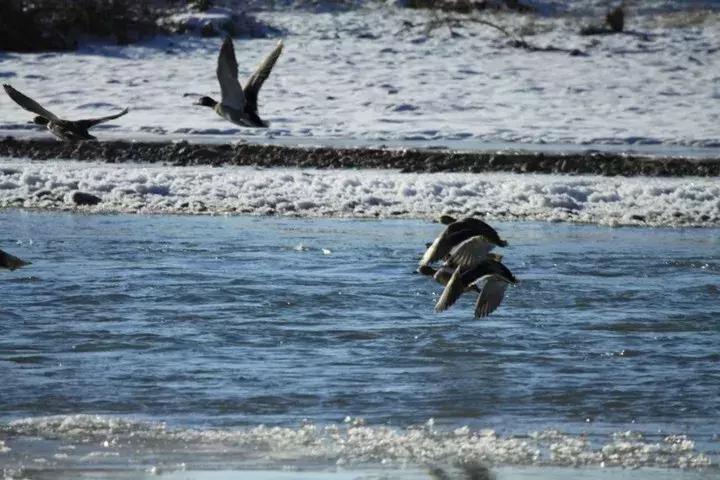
(216, 325)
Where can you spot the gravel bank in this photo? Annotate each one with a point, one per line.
(183, 153)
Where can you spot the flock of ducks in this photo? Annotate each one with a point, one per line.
(468, 265)
(464, 247)
(237, 104)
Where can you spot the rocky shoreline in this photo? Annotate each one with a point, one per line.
(405, 160)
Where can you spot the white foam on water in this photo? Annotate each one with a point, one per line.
(150, 188)
(108, 439)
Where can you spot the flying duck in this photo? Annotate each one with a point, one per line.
(464, 242)
(238, 105)
(68, 130)
(11, 262)
(489, 278)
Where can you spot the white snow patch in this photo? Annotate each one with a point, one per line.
(150, 188)
(361, 75)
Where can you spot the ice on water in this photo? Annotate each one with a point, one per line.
(49, 185)
(352, 443)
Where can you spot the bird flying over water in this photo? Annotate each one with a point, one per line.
(68, 130)
(240, 105)
(468, 265)
(11, 262)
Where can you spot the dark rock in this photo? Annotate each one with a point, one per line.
(81, 198)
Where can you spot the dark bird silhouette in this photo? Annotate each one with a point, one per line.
(68, 130)
(240, 105)
(11, 262)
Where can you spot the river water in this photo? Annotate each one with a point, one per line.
(180, 343)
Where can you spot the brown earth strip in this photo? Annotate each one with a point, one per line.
(183, 153)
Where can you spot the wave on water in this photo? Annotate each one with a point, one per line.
(84, 437)
(51, 185)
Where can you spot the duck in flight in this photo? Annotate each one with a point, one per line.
(468, 266)
(11, 262)
(240, 105)
(67, 130)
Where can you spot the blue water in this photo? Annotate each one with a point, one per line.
(224, 322)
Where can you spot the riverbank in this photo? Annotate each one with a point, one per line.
(406, 160)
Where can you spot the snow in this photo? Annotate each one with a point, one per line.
(361, 74)
(154, 188)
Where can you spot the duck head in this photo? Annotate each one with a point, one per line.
(40, 120)
(206, 102)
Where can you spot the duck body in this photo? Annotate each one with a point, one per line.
(244, 117)
(65, 130)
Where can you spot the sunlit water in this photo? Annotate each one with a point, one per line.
(216, 325)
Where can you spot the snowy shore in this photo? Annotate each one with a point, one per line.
(154, 188)
(382, 74)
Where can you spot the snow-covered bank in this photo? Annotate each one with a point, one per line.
(687, 201)
(378, 74)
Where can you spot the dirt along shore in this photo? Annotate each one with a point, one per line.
(406, 160)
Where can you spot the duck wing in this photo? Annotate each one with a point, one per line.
(227, 74)
(261, 74)
(91, 122)
(491, 295)
(29, 104)
(452, 292)
(10, 261)
(470, 252)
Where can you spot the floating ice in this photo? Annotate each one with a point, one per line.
(357, 443)
(150, 188)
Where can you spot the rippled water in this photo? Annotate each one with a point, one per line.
(225, 323)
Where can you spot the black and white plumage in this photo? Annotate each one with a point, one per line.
(463, 241)
(237, 104)
(67, 130)
(11, 262)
